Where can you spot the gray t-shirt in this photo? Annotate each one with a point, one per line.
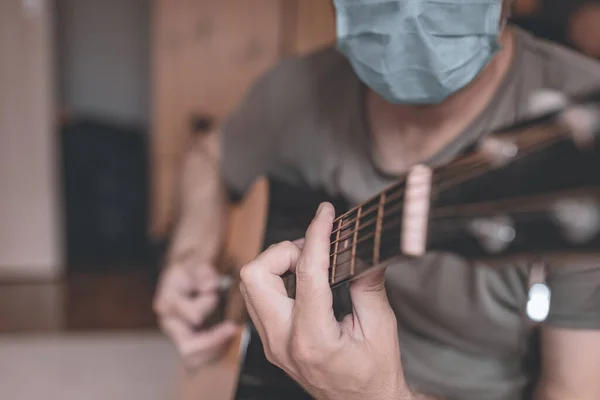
(462, 332)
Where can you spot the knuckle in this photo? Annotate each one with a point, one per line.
(273, 356)
(159, 305)
(248, 275)
(287, 245)
(305, 352)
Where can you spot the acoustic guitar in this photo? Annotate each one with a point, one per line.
(528, 193)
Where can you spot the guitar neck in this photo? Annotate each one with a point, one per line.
(543, 198)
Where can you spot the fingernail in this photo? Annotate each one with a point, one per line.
(320, 209)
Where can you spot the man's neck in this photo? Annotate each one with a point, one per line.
(409, 134)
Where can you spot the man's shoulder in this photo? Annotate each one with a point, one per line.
(559, 67)
(303, 76)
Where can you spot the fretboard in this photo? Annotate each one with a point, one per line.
(366, 236)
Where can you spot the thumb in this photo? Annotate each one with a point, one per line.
(369, 298)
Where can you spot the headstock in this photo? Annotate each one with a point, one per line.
(531, 189)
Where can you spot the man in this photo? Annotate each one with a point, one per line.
(412, 82)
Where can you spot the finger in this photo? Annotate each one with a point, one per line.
(205, 278)
(254, 316)
(175, 281)
(300, 243)
(263, 287)
(277, 259)
(202, 345)
(314, 300)
(175, 329)
(369, 298)
(194, 311)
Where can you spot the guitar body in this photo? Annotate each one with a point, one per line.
(247, 222)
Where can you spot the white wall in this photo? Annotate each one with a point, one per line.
(30, 231)
(104, 58)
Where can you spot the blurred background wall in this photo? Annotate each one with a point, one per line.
(103, 51)
(31, 240)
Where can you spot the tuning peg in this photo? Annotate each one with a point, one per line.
(498, 151)
(583, 122)
(547, 101)
(579, 218)
(494, 234)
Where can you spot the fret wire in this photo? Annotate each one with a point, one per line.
(366, 211)
(442, 232)
(385, 227)
(538, 206)
(396, 195)
(387, 213)
(392, 210)
(353, 259)
(335, 253)
(376, 250)
(343, 272)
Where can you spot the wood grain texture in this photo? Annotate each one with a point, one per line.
(206, 55)
(315, 25)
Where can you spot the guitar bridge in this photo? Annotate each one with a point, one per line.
(415, 218)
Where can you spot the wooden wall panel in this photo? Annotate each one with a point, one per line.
(315, 25)
(206, 54)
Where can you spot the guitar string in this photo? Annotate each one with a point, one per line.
(533, 203)
(450, 230)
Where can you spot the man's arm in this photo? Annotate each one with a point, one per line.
(200, 227)
(187, 291)
(571, 361)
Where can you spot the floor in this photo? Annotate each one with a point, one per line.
(91, 336)
(84, 301)
(88, 366)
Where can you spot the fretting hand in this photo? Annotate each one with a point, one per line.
(358, 358)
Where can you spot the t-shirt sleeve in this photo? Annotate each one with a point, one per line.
(575, 301)
(248, 139)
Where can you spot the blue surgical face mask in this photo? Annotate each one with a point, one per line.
(418, 51)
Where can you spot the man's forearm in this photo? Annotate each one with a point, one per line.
(201, 225)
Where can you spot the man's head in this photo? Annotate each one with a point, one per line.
(419, 51)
